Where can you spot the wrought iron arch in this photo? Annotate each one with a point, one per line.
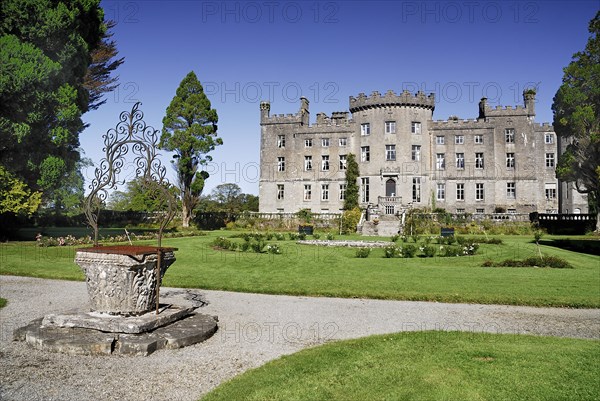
(130, 134)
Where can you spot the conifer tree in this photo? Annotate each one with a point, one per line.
(190, 130)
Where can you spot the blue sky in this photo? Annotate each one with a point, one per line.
(245, 52)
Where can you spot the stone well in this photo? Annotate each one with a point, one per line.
(121, 280)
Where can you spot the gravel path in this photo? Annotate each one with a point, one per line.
(253, 329)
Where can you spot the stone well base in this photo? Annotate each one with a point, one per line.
(45, 335)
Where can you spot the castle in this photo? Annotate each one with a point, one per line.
(502, 161)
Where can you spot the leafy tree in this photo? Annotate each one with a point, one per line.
(576, 110)
(139, 196)
(46, 47)
(15, 197)
(67, 199)
(352, 174)
(98, 79)
(228, 196)
(190, 130)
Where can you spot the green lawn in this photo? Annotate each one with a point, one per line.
(319, 271)
(428, 366)
(2, 302)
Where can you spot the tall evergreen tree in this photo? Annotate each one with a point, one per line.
(190, 130)
(352, 174)
(46, 47)
(576, 110)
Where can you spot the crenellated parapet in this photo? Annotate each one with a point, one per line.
(528, 108)
(455, 123)
(337, 118)
(300, 118)
(390, 99)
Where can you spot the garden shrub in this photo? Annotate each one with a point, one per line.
(394, 237)
(350, 220)
(409, 251)
(316, 235)
(257, 245)
(221, 243)
(392, 251)
(293, 236)
(244, 246)
(302, 236)
(273, 249)
(554, 262)
(279, 236)
(428, 251)
(330, 237)
(363, 252)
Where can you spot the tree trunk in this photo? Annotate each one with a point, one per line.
(185, 215)
(598, 222)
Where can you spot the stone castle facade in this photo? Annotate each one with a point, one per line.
(501, 161)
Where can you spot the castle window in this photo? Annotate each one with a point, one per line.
(307, 192)
(550, 191)
(459, 139)
(548, 138)
(460, 191)
(511, 190)
(480, 211)
(325, 142)
(549, 159)
(307, 163)
(325, 163)
(364, 190)
(509, 135)
(281, 141)
(390, 127)
(440, 140)
(390, 152)
(510, 160)
(479, 194)
(324, 192)
(343, 141)
(460, 210)
(415, 153)
(343, 191)
(308, 143)
(416, 189)
(365, 129)
(440, 161)
(343, 162)
(365, 154)
(479, 139)
(441, 191)
(415, 127)
(511, 211)
(478, 160)
(460, 160)
(280, 191)
(281, 164)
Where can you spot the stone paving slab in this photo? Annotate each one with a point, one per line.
(119, 324)
(85, 341)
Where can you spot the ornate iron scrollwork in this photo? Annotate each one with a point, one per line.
(131, 134)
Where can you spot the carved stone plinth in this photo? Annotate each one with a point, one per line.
(121, 280)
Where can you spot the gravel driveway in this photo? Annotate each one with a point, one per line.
(253, 329)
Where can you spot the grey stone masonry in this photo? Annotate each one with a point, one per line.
(122, 284)
(501, 161)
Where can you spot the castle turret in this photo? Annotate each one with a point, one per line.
(304, 113)
(482, 106)
(529, 100)
(265, 110)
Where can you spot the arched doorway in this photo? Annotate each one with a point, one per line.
(390, 187)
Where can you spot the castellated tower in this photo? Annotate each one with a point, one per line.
(500, 161)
